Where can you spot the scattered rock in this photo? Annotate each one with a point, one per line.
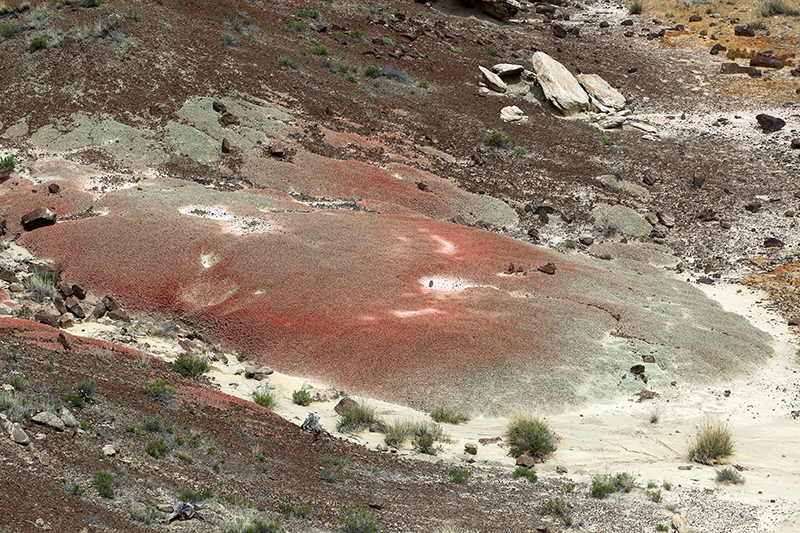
(43, 317)
(276, 149)
(19, 436)
(47, 418)
(109, 450)
(601, 92)
(8, 276)
(507, 69)
(559, 31)
(471, 448)
(379, 426)
(512, 114)
(735, 68)
(345, 404)
(559, 86)
(667, 219)
(53, 188)
(626, 22)
(501, 9)
(648, 358)
(219, 107)
(743, 31)
(99, 310)
(226, 146)
(766, 62)
(549, 268)
(257, 372)
(637, 370)
(772, 242)
(725, 224)
(68, 418)
(768, 123)
(228, 119)
(376, 502)
(695, 18)
(679, 523)
(38, 218)
(382, 447)
(753, 207)
(795, 144)
(717, 48)
(119, 314)
(586, 240)
(66, 321)
(489, 440)
(526, 460)
(646, 395)
(493, 80)
(604, 24)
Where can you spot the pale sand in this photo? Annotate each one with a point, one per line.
(618, 436)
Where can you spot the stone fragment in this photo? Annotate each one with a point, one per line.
(501, 9)
(549, 268)
(99, 310)
(471, 448)
(65, 288)
(219, 107)
(601, 92)
(276, 149)
(53, 188)
(666, 218)
(379, 426)
(489, 440)
(743, 31)
(75, 307)
(18, 435)
(725, 224)
(257, 372)
(772, 242)
(637, 370)
(512, 114)
(38, 218)
(795, 144)
(226, 146)
(695, 18)
(43, 317)
(119, 314)
(604, 24)
(526, 460)
(586, 240)
(735, 68)
(345, 404)
(559, 31)
(679, 523)
(507, 69)
(79, 292)
(768, 123)
(626, 22)
(376, 502)
(66, 321)
(559, 86)
(228, 119)
(109, 450)
(766, 62)
(717, 48)
(47, 418)
(493, 80)
(68, 418)
(561, 469)
(8, 276)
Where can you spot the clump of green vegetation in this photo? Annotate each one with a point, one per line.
(497, 139)
(300, 511)
(605, 140)
(661, 527)
(159, 391)
(77, 490)
(188, 365)
(16, 380)
(654, 417)
(623, 482)
(358, 521)
(15, 408)
(667, 486)
(319, 50)
(288, 63)
(776, 7)
(9, 31)
(228, 39)
(37, 43)
(492, 50)
(192, 495)
(372, 71)
(157, 424)
(134, 16)
(455, 50)
(301, 397)
(264, 397)
(654, 495)
(527, 473)
(570, 244)
(602, 486)
(157, 448)
(458, 475)
(423, 84)
(729, 475)
(146, 516)
(330, 474)
(424, 434)
(292, 25)
(7, 163)
(636, 7)
(239, 525)
(83, 393)
(448, 416)
(43, 283)
(356, 417)
(756, 25)
(358, 34)
(558, 508)
(104, 483)
(532, 436)
(310, 13)
(387, 42)
(714, 440)
(605, 256)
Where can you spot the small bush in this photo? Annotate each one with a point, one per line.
(623, 482)
(300, 511)
(264, 397)
(605, 140)
(159, 391)
(157, 448)
(7, 163)
(500, 140)
(301, 397)
(527, 473)
(358, 34)
(602, 486)
(425, 443)
(37, 43)
(459, 475)
(713, 441)
(191, 495)
(134, 16)
(654, 416)
(372, 71)
(756, 25)
(146, 516)
(258, 526)
(228, 39)
(17, 381)
(387, 41)
(358, 521)
(424, 84)
(356, 418)
(667, 486)
(104, 483)
(533, 436)
(455, 50)
(319, 50)
(330, 474)
(8, 31)
(447, 416)
(636, 7)
(661, 527)
(77, 490)
(43, 283)
(188, 365)
(558, 508)
(654, 495)
(776, 7)
(400, 76)
(311, 13)
(157, 424)
(288, 63)
(492, 50)
(729, 475)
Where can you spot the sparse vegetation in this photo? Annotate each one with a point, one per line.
(497, 139)
(264, 397)
(602, 486)
(455, 50)
(570, 244)
(654, 416)
(448, 416)
(527, 473)
(146, 516)
(157, 448)
(532, 436)
(188, 365)
(729, 475)
(7, 163)
(330, 474)
(288, 63)
(157, 424)
(654, 495)
(77, 490)
(16, 380)
(423, 84)
(661, 527)
(623, 482)
(424, 434)
(372, 71)
(387, 42)
(459, 475)
(356, 418)
(37, 43)
(104, 483)
(159, 391)
(605, 140)
(310, 13)
(358, 521)
(300, 511)
(636, 7)
(83, 393)
(43, 283)
(319, 50)
(756, 25)
(192, 495)
(714, 440)
(776, 7)
(558, 508)
(8, 31)
(492, 50)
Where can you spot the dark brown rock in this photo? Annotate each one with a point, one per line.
(604, 24)
(549, 268)
(79, 292)
(695, 18)
(8, 276)
(99, 310)
(697, 182)
(119, 314)
(772, 242)
(38, 218)
(637, 370)
(54, 188)
(526, 461)
(735, 68)
(501, 9)
(627, 22)
(743, 31)
(65, 288)
(717, 48)
(46, 318)
(544, 9)
(59, 303)
(795, 72)
(795, 144)
(110, 303)
(559, 31)
(753, 207)
(649, 358)
(276, 149)
(345, 404)
(794, 321)
(219, 107)
(229, 119)
(561, 469)
(586, 241)
(74, 307)
(768, 123)
(226, 146)
(766, 62)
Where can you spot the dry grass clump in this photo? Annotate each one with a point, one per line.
(714, 441)
(532, 436)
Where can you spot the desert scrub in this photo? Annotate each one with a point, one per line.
(602, 486)
(356, 417)
(776, 7)
(239, 525)
(605, 140)
(43, 283)
(300, 511)
(330, 473)
(188, 365)
(492, 50)
(558, 508)
(729, 475)
(264, 397)
(320, 50)
(714, 440)
(756, 25)
(159, 391)
(459, 475)
(157, 448)
(623, 482)
(8, 31)
(157, 424)
(83, 393)
(16, 380)
(146, 516)
(15, 408)
(288, 63)
(310, 12)
(654, 495)
(371, 71)
(37, 43)
(497, 139)
(532, 436)
(7, 163)
(193, 495)
(636, 7)
(399, 431)
(448, 416)
(104, 483)
(357, 521)
(301, 397)
(527, 473)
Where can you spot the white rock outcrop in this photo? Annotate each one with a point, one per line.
(559, 86)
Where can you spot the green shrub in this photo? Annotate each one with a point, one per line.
(455, 50)
(570, 244)
(623, 482)
(605, 140)
(776, 7)
(43, 283)
(358, 521)
(356, 418)
(288, 63)
(459, 475)
(77, 490)
(729, 475)
(713, 441)
(387, 41)
(531, 436)
(425, 443)
(104, 483)
(654, 417)
(157, 424)
(661, 527)
(423, 84)
(358, 34)
(17, 381)
(146, 516)
(300, 511)
(82, 394)
(654, 495)
(500, 140)
(188, 365)
(319, 50)
(7, 163)
(228, 39)
(37, 43)
(301, 397)
(371, 71)
(605, 256)
(636, 7)
(492, 50)
(159, 391)
(602, 486)
(8, 31)
(527, 473)
(447, 416)
(756, 25)
(157, 448)
(134, 16)
(558, 508)
(191, 495)
(264, 397)
(308, 13)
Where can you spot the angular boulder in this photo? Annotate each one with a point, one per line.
(493, 80)
(512, 114)
(501, 9)
(559, 86)
(768, 123)
(38, 218)
(507, 69)
(766, 62)
(47, 418)
(601, 92)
